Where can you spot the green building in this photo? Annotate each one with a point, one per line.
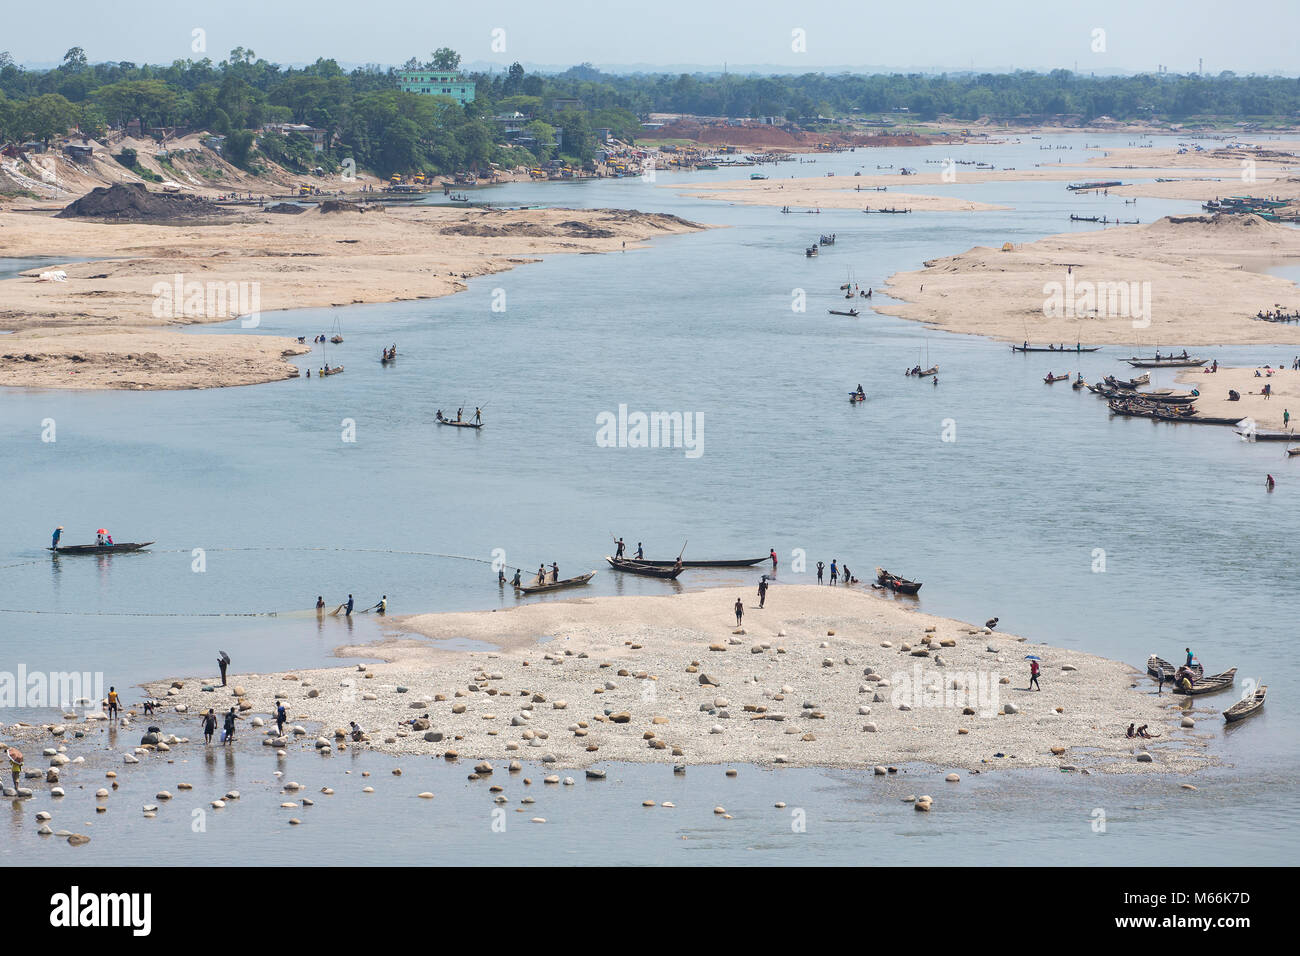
(437, 83)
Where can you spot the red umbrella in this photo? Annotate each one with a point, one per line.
(101, 531)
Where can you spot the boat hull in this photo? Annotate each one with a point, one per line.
(578, 581)
(100, 548)
(646, 570)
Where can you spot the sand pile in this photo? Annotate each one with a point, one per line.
(131, 202)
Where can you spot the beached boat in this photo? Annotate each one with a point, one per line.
(1050, 378)
(848, 312)
(1158, 667)
(1209, 685)
(1165, 361)
(649, 570)
(894, 583)
(1247, 705)
(100, 548)
(1258, 435)
(536, 588)
(723, 563)
(455, 424)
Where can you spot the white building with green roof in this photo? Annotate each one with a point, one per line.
(437, 83)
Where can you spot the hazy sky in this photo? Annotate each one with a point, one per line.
(985, 34)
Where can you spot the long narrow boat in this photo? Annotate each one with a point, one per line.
(1050, 348)
(1166, 362)
(1209, 685)
(555, 585)
(895, 583)
(455, 424)
(1259, 435)
(1247, 705)
(726, 563)
(925, 372)
(849, 312)
(1049, 378)
(1158, 667)
(100, 548)
(1292, 452)
(649, 570)
(337, 369)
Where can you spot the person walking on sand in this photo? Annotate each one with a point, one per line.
(740, 611)
(229, 736)
(821, 566)
(762, 591)
(209, 726)
(280, 717)
(222, 662)
(1033, 676)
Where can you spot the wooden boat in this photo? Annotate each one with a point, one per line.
(1050, 378)
(455, 424)
(1052, 348)
(336, 339)
(1258, 435)
(854, 397)
(1293, 452)
(649, 570)
(724, 563)
(100, 548)
(332, 371)
(1158, 667)
(1209, 685)
(925, 372)
(1166, 362)
(1247, 705)
(554, 585)
(895, 583)
(1078, 383)
(848, 312)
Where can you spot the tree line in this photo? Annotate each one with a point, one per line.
(371, 121)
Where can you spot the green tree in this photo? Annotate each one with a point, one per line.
(446, 59)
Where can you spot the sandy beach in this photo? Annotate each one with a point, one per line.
(828, 677)
(86, 332)
(1195, 281)
(835, 192)
(1266, 412)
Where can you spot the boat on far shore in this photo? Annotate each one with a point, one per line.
(1166, 361)
(722, 563)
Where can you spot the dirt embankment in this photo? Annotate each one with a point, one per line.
(132, 202)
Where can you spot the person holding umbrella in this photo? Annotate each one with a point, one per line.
(1033, 671)
(15, 764)
(223, 661)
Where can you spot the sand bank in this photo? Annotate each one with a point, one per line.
(1194, 286)
(290, 261)
(1267, 413)
(821, 677)
(834, 192)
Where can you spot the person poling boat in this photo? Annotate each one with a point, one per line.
(54, 542)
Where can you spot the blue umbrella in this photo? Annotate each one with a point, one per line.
(1032, 657)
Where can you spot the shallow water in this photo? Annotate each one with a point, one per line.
(1006, 520)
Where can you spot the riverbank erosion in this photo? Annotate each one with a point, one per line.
(1191, 281)
(79, 327)
(827, 677)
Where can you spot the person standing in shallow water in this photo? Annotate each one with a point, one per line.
(740, 611)
(773, 557)
(230, 727)
(209, 726)
(821, 567)
(280, 716)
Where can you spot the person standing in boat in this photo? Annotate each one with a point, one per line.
(639, 553)
(620, 548)
(555, 571)
(460, 414)
(54, 541)
(541, 574)
(478, 415)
